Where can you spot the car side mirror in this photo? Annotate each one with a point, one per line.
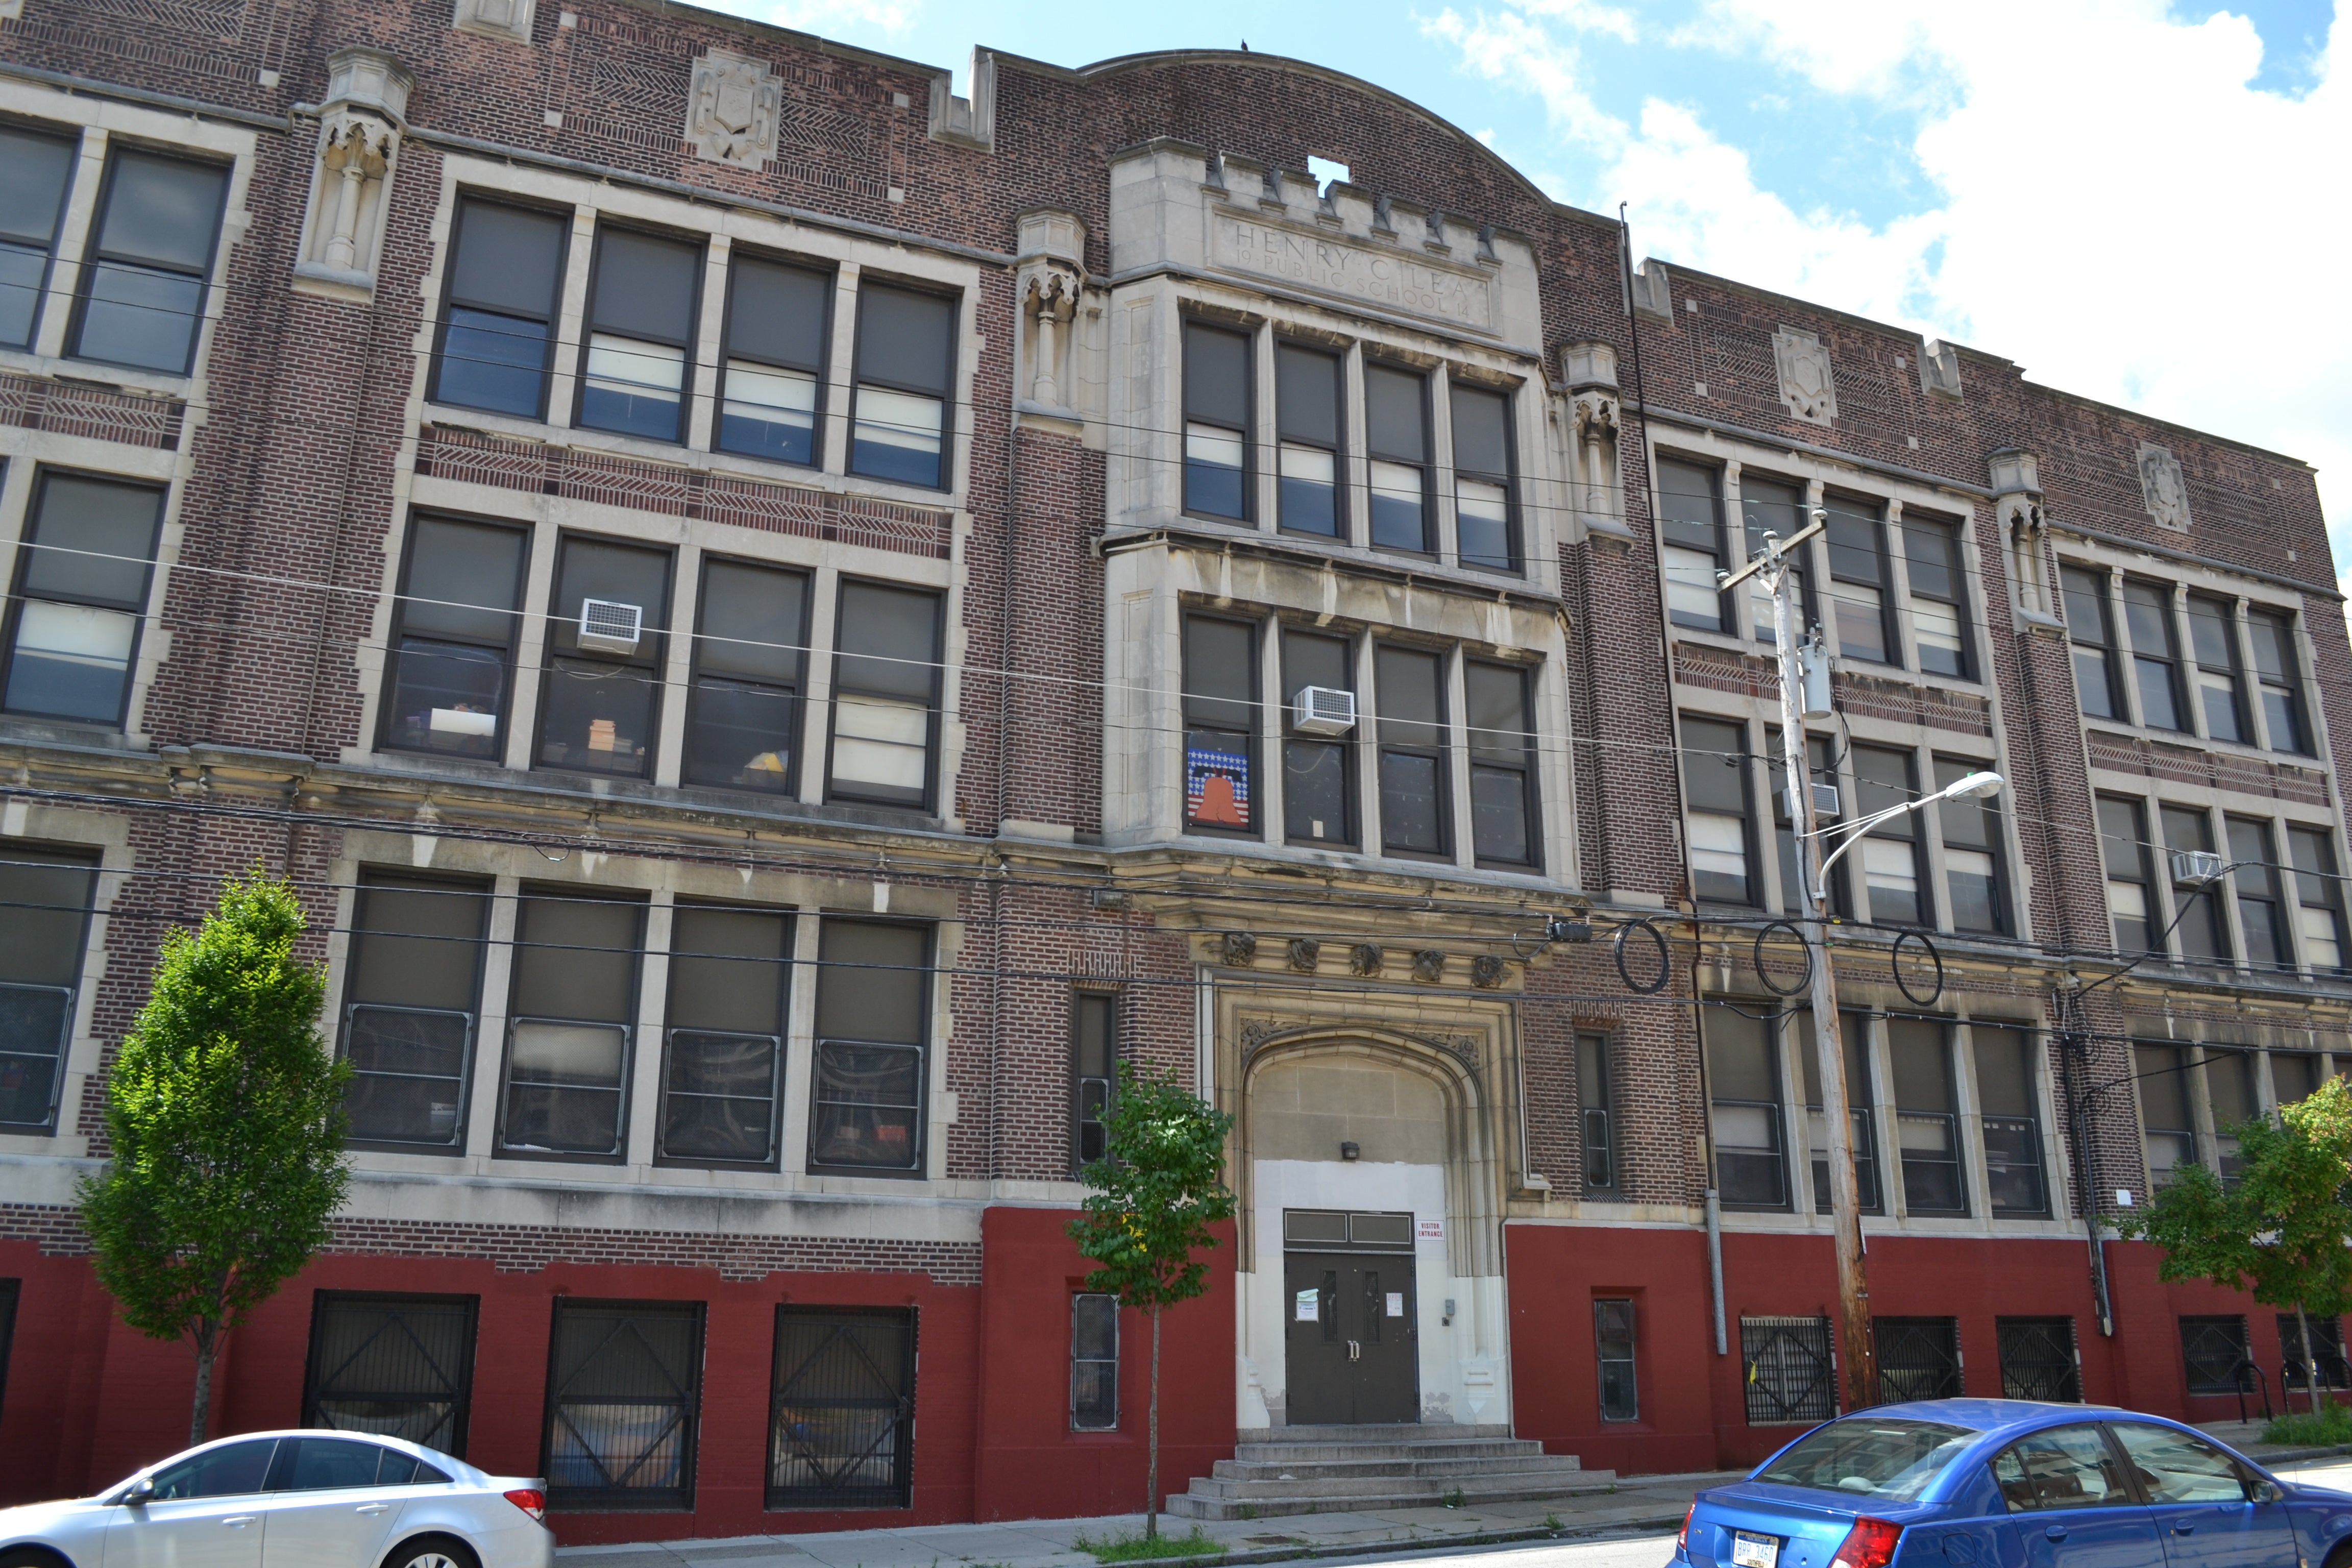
(141, 1490)
(2267, 1491)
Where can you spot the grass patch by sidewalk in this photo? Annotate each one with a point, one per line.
(2330, 1425)
(1135, 1548)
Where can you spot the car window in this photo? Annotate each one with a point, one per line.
(2066, 1466)
(324, 1463)
(2174, 1466)
(1892, 1459)
(401, 1470)
(225, 1472)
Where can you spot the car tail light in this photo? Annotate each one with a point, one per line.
(1869, 1544)
(1682, 1536)
(534, 1503)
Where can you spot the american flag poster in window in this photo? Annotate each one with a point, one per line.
(1217, 786)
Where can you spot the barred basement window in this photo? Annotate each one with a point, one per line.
(640, 329)
(1094, 1065)
(1396, 424)
(1612, 1343)
(1094, 1363)
(906, 365)
(624, 1396)
(773, 389)
(39, 169)
(600, 707)
(150, 252)
(409, 1017)
(2328, 1347)
(743, 712)
(453, 653)
(571, 1014)
(841, 1422)
(82, 581)
(45, 907)
(1918, 1358)
(2212, 1349)
(497, 324)
(1217, 423)
(1790, 1377)
(873, 1011)
(729, 971)
(2009, 1111)
(2038, 1360)
(886, 684)
(395, 1367)
(1307, 405)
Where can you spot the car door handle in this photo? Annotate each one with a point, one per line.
(2185, 1527)
(2056, 1532)
(374, 1507)
(239, 1521)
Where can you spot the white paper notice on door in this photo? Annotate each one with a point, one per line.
(1309, 1308)
(1396, 1303)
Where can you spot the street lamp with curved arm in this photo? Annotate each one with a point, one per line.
(1968, 786)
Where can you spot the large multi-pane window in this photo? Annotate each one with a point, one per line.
(2220, 693)
(2278, 671)
(1857, 552)
(1751, 1167)
(1485, 530)
(885, 695)
(1217, 405)
(2197, 924)
(1891, 852)
(905, 371)
(1094, 1068)
(1770, 506)
(1220, 725)
(624, 1401)
(82, 578)
(743, 706)
(1319, 772)
(2319, 898)
(2008, 1106)
(2254, 875)
(772, 385)
(2131, 897)
(1307, 411)
(729, 978)
(45, 905)
(601, 708)
(570, 1015)
(497, 326)
(395, 1367)
(150, 251)
(1094, 1362)
(1409, 684)
(1926, 1116)
(1715, 786)
(36, 171)
(873, 1012)
(1396, 432)
(453, 645)
(1690, 525)
(642, 316)
(1939, 613)
(1596, 1114)
(2091, 630)
(2166, 1126)
(1854, 1037)
(1504, 822)
(411, 1011)
(2156, 655)
(1973, 858)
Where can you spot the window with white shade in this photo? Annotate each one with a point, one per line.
(451, 671)
(1307, 407)
(1486, 517)
(1217, 411)
(906, 365)
(572, 1010)
(2131, 900)
(1775, 507)
(82, 577)
(771, 376)
(1716, 801)
(2319, 899)
(150, 253)
(1858, 574)
(1940, 617)
(1975, 860)
(885, 695)
(2280, 671)
(1396, 425)
(2213, 640)
(1690, 524)
(640, 334)
(1891, 853)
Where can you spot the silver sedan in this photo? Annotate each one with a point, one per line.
(292, 1499)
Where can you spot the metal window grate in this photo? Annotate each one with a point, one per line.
(623, 1393)
(1918, 1358)
(398, 1366)
(2213, 1348)
(1790, 1373)
(841, 1422)
(2328, 1347)
(2038, 1360)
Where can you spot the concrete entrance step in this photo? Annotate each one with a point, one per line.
(1333, 1469)
(1371, 1431)
(1402, 1464)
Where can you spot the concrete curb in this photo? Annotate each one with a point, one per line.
(1304, 1551)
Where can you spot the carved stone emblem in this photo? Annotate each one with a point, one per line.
(730, 115)
(1304, 951)
(1238, 949)
(1485, 971)
(2162, 486)
(1806, 389)
(1428, 966)
(1365, 958)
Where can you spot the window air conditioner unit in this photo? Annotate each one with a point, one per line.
(609, 627)
(1825, 801)
(2196, 868)
(1323, 710)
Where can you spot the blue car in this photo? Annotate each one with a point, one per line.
(2000, 1483)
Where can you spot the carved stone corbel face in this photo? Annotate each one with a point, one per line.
(1596, 416)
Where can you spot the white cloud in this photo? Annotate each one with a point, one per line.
(833, 17)
(2114, 205)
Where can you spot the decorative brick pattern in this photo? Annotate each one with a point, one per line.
(91, 412)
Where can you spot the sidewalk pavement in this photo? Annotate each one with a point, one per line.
(1638, 1503)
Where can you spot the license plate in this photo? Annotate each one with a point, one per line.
(1754, 1551)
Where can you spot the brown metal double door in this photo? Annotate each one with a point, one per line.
(1350, 1340)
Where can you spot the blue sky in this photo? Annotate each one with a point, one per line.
(2141, 202)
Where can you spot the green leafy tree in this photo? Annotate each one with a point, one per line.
(225, 1113)
(2281, 1231)
(1159, 1189)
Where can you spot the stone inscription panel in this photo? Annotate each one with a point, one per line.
(1377, 274)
